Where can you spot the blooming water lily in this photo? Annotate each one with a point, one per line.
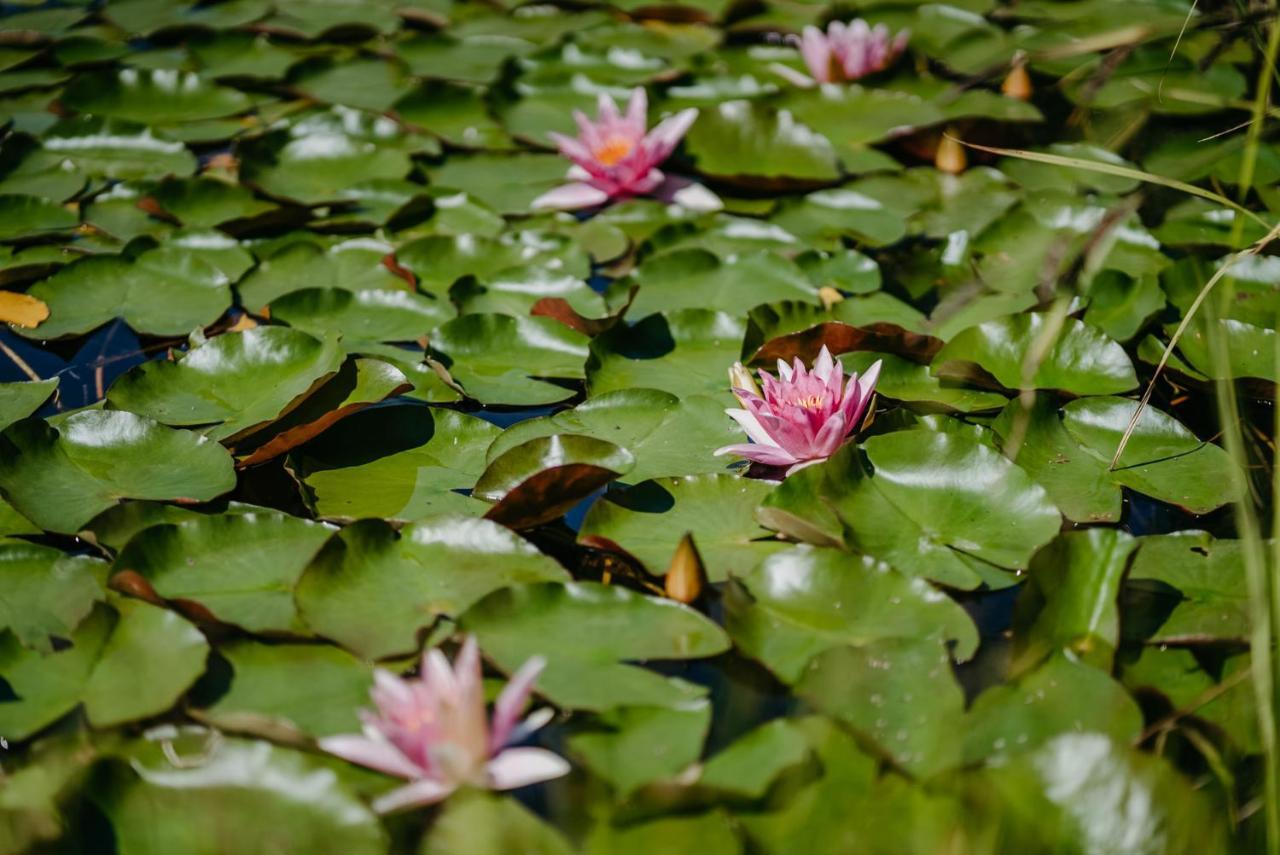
(613, 158)
(802, 417)
(846, 52)
(434, 731)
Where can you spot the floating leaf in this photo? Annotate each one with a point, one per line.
(696, 279)
(683, 353)
(666, 435)
(372, 589)
(265, 697)
(155, 96)
(649, 520)
(61, 477)
(533, 352)
(748, 144)
(44, 592)
(587, 632)
(1078, 358)
(633, 746)
(1205, 581)
(424, 457)
(233, 383)
(239, 569)
(803, 601)
(538, 480)
(19, 400)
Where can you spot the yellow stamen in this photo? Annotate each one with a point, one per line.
(810, 402)
(613, 150)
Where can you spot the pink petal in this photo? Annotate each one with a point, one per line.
(426, 791)
(638, 111)
(666, 135)
(372, 753)
(867, 382)
(816, 53)
(572, 148)
(831, 436)
(606, 110)
(519, 767)
(751, 424)
(571, 197)
(823, 365)
(512, 700)
(759, 453)
(784, 370)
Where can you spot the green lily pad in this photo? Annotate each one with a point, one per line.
(649, 520)
(534, 351)
(19, 400)
(1081, 360)
(61, 477)
(666, 435)
(538, 480)
(1076, 480)
(697, 279)
(587, 632)
(748, 144)
(898, 692)
(1205, 581)
(163, 291)
(853, 117)
(22, 216)
(44, 592)
(824, 218)
(682, 353)
(482, 823)
(354, 265)
(239, 569)
(325, 152)
(506, 183)
(295, 798)
(454, 112)
(159, 96)
(364, 83)
(1070, 599)
(234, 383)
(116, 149)
(123, 664)
(373, 588)
(372, 314)
(936, 505)
(205, 202)
(424, 457)
(803, 601)
(440, 260)
(633, 746)
(753, 761)
(1061, 696)
(1163, 458)
(264, 696)
(911, 382)
(1175, 674)
(518, 291)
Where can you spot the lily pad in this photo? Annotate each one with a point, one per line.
(1079, 358)
(239, 569)
(234, 383)
(587, 632)
(159, 96)
(373, 588)
(649, 520)
(425, 457)
(534, 351)
(804, 600)
(752, 145)
(1205, 581)
(666, 435)
(697, 279)
(263, 698)
(19, 400)
(163, 291)
(44, 592)
(538, 480)
(61, 477)
(682, 353)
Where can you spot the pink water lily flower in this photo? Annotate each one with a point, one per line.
(613, 158)
(434, 731)
(803, 417)
(848, 52)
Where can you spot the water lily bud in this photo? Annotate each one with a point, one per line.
(686, 576)
(950, 157)
(740, 378)
(829, 296)
(1018, 83)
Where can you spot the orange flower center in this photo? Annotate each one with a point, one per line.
(614, 149)
(810, 402)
